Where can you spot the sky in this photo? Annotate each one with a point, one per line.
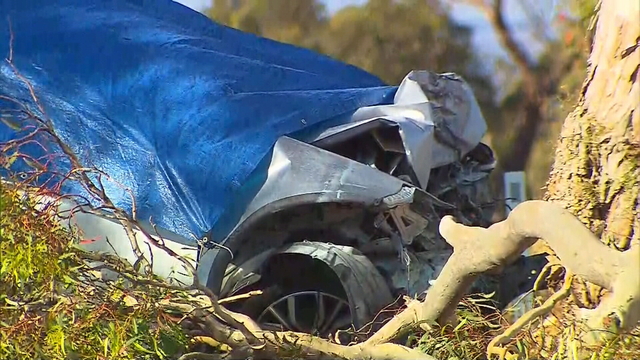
(484, 38)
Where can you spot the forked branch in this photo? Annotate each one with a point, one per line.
(478, 250)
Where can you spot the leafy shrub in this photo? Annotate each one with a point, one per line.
(52, 306)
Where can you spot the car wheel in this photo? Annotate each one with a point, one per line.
(316, 288)
(308, 310)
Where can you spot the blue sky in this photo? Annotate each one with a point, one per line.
(485, 41)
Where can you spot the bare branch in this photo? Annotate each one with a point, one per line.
(495, 14)
(577, 248)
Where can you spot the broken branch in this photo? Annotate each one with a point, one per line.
(478, 250)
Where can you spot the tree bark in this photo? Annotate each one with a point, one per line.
(596, 174)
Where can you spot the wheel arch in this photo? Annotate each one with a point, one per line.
(213, 262)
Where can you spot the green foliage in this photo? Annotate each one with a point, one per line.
(388, 38)
(565, 344)
(25, 269)
(479, 322)
(468, 339)
(294, 22)
(53, 307)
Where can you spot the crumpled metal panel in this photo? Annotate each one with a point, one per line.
(438, 116)
(301, 173)
(459, 123)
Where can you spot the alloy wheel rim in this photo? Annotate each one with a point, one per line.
(312, 312)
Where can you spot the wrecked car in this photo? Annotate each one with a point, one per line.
(269, 166)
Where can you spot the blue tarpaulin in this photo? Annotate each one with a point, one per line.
(174, 107)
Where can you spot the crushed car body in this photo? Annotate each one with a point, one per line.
(270, 166)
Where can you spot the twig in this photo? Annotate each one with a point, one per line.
(235, 298)
(204, 356)
(493, 347)
(11, 38)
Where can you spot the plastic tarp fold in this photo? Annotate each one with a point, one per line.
(174, 107)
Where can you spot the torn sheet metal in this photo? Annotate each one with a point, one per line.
(439, 119)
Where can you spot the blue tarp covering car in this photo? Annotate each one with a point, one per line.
(173, 106)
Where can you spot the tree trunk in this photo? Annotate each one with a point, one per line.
(596, 174)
